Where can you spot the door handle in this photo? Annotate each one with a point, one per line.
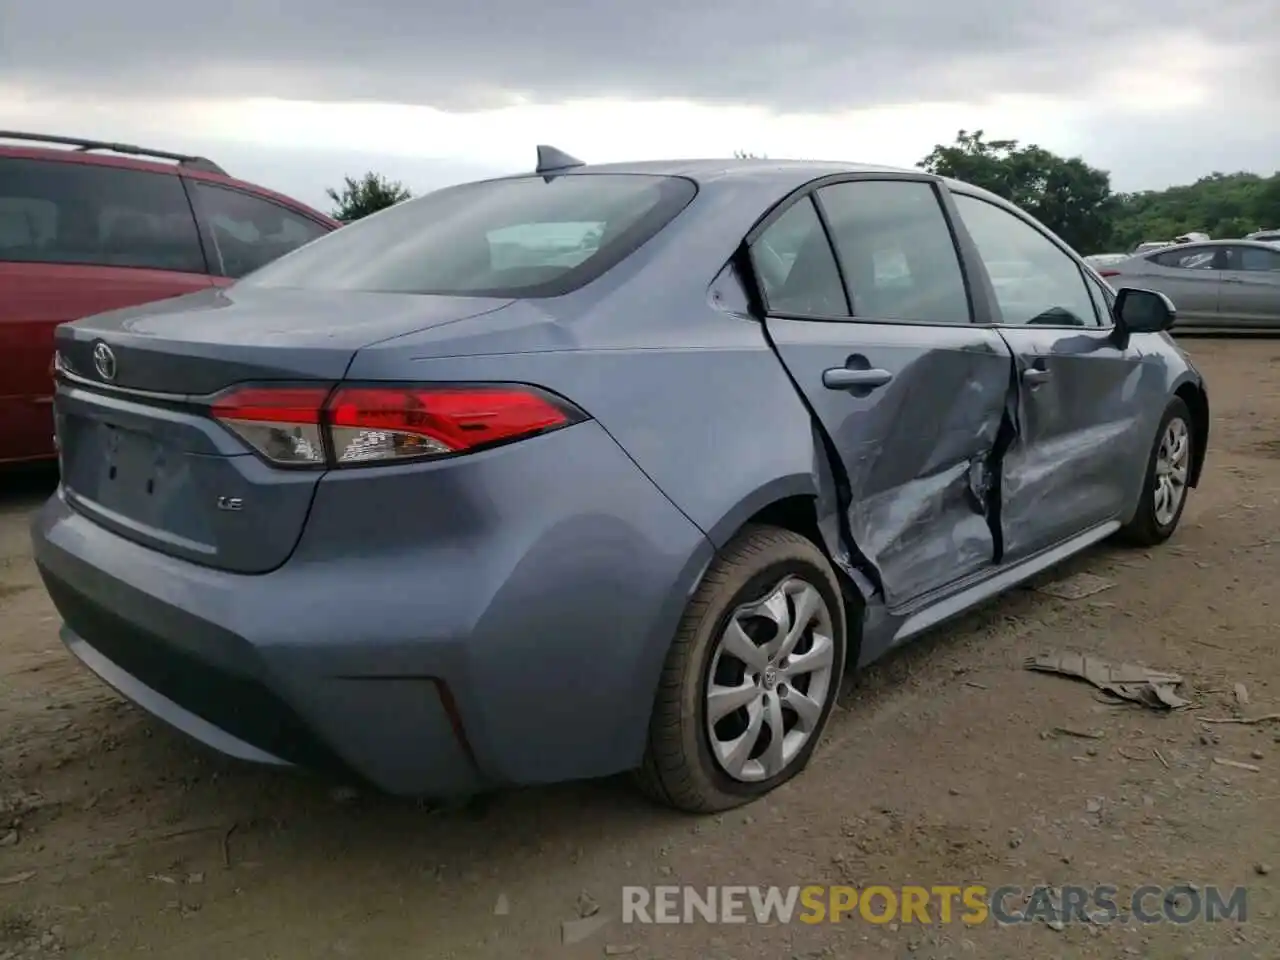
(1232, 280)
(847, 378)
(1034, 376)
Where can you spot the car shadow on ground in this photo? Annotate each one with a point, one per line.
(23, 488)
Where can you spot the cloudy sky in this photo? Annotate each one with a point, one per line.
(295, 93)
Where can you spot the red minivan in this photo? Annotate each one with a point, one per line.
(87, 226)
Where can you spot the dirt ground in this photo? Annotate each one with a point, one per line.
(945, 765)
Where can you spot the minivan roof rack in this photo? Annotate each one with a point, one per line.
(84, 146)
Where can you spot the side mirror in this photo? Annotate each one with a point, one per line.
(1144, 311)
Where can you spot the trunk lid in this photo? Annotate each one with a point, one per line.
(139, 453)
(202, 343)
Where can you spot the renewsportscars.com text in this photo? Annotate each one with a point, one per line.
(970, 905)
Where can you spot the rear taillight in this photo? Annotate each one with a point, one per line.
(349, 426)
(1108, 273)
(281, 423)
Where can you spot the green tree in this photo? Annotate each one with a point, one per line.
(1223, 205)
(1267, 203)
(369, 194)
(1071, 198)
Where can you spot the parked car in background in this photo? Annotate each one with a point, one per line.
(1098, 260)
(1265, 236)
(101, 226)
(1227, 285)
(412, 504)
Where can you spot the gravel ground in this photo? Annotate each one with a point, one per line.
(947, 764)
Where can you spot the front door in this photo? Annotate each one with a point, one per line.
(878, 337)
(1079, 443)
(1191, 276)
(1250, 292)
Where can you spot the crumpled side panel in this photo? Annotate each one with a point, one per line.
(921, 472)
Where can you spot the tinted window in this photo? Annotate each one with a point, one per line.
(796, 267)
(54, 212)
(1187, 258)
(1035, 280)
(518, 237)
(896, 251)
(1252, 259)
(249, 232)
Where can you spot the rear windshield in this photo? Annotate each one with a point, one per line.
(521, 237)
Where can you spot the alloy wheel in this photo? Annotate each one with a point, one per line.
(769, 680)
(1172, 463)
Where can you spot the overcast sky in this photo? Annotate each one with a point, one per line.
(296, 93)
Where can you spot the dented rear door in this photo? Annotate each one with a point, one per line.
(910, 393)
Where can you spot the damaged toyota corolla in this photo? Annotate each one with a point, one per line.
(597, 469)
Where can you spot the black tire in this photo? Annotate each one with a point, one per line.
(679, 769)
(1144, 529)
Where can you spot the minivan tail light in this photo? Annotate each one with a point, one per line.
(354, 425)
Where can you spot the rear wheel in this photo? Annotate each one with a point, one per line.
(752, 676)
(1164, 491)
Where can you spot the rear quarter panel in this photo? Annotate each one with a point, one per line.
(710, 415)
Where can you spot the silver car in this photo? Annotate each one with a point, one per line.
(1227, 285)
(445, 502)
(1100, 260)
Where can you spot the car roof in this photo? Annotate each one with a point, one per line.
(1261, 244)
(770, 180)
(69, 154)
(784, 174)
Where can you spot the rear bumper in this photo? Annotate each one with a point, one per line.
(430, 650)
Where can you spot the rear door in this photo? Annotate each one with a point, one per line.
(78, 239)
(1250, 292)
(1079, 443)
(877, 335)
(1191, 276)
(243, 231)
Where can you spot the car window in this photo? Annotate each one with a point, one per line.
(1253, 259)
(545, 244)
(1049, 288)
(896, 251)
(797, 267)
(1102, 301)
(1187, 258)
(513, 237)
(249, 232)
(79, 213)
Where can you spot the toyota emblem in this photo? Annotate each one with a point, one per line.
(104, 361)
